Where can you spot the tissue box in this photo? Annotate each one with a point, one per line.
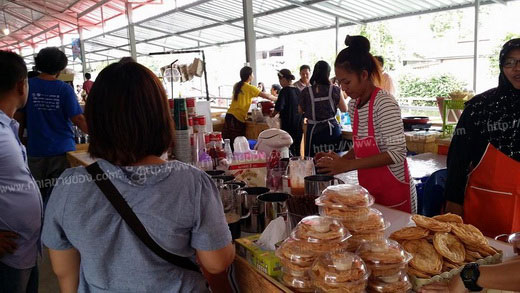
(263, 260)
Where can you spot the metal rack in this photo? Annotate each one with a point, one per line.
(189, 52)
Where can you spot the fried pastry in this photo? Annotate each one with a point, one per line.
(384, 257)
(410, 233)
(347, 214)
(473, 254)
(425, 257)
(298, 284)
(450, 218)
(354, 287)
(374, 222)
(469, 234)
(339, 272)
(418, 274)
(483, 250)
(291, 251)
(448, 266)
(392, 284)
(449, 247)
(346, 195)
(431, 224)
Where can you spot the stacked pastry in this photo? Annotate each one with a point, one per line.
(351, 204)
(388, 263)
(339, 272)
(312, 237)
(441, 243)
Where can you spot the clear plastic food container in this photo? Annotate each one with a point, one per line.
(389, 284)
(384, 257)
(291, 251)
(320, 230)
(374, 223)
(343, 196)
(297, 283)
(345, 214)
(339, 272)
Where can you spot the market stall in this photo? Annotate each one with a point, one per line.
(256, 268)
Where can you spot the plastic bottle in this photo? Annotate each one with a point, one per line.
(227, 150)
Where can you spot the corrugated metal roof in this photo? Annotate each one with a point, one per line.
(194, 23)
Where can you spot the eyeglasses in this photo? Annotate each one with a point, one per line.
(511, 62)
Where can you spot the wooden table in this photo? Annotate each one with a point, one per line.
(80, 157)
(251, 280)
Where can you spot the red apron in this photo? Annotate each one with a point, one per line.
(492, 199)
(380, 181)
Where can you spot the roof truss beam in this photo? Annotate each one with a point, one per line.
(169, 34)
(92, 8)
(52, 13)
(324, 11)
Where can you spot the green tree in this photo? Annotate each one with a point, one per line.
(493, 58)
(382, 43)
(432, 87)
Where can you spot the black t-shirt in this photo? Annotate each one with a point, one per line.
(287, 105)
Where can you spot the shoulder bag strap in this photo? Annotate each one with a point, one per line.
(122, 207)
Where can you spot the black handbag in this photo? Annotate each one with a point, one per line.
(122, 207)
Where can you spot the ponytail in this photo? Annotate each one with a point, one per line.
(356, 58)
(245, 73)
(237, 88)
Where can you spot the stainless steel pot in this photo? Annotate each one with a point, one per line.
(273, 205)
(315, 184)
(252, 223)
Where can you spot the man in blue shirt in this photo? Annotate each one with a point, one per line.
(52, 107)
(21, 208)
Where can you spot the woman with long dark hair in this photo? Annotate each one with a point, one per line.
(319, 103)
(243, 93)
(379, 152)
(287, 106)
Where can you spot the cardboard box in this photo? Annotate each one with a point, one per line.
(264, 260)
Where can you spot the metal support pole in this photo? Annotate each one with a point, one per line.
(249, 36)
(62, 44)
(337, 35)
(82, 47)
(131, 32)
(475, 47)
(205, 74)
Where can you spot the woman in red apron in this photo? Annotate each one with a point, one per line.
(379, 152)
(484, 159)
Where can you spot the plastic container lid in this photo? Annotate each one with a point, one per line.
(395, 283)
(383, 252)
(301, 284)
(345, 196)
(292, 251)
(374, 223)
(333, 269)
(320, 230)
(346, 213)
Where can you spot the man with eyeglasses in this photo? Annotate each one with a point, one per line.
(483, 181)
